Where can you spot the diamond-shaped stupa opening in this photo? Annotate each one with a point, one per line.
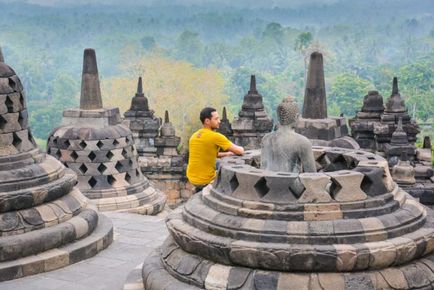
(261, 187)
(3, 122)
(92, 182)
(73, 155)
(22, 101)
(128, 177)
(9, 105)
(119, 167)
(339, 163)
(30, 137)
(16, 141)
(99, 144)
(21, 120)
(125, 153)
(110, 179)
(101, 168)
(234, 183)
(335, 187)
(92, 156)
(83, 168)
(82, 144)
(109, 155)
(13, 84)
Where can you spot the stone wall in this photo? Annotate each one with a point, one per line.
(167, 173)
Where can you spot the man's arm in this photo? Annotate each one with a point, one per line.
(224, 154)
(238, 150)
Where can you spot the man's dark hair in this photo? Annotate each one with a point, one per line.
(206, 113)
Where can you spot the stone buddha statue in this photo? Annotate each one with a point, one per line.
(284, 149)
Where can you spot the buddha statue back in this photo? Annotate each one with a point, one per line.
(284, 149)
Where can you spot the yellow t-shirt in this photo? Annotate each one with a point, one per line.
(204, 146)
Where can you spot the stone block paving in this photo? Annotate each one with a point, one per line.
(135, 237)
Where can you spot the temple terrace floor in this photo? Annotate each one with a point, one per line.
(134, 237)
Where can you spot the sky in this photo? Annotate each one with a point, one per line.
(236, 3)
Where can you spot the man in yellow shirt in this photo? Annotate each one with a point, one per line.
(204, 148)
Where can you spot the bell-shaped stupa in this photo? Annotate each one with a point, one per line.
(142, 123)
(94, 143)
(45, 221)
(252, 122)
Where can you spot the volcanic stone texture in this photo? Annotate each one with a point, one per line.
(45, 221)
(362, 126)
(389, 129)
(95, 145)
(315, 123)
(395, 109)
(156, 145)
(225, 126)
(142, 123)
(252, 122)
(252, 229)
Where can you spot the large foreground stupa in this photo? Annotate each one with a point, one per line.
(94, 143)
(255, 229)
(345, 226)
(45, 221)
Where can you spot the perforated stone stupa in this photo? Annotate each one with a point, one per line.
(142, 123)
(159, 159)
(252, 122)
(389, 131)
(315, 124)
(45, 221)
(100, 149)
(346, 226)
(226, 126)
(362, 126)
(395, 109)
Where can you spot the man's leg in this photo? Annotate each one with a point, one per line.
(198, 188)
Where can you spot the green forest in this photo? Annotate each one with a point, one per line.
(192, 55)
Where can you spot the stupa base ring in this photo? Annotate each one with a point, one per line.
(157, 274)
(60, 257)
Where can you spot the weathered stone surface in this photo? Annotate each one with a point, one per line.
(346, 185)
(284, 150)
(252, 231)
(315, 102)
(157, 147)
(316, 188)
(42, 214)
(252, 122)
(90, 98)
(100, 150)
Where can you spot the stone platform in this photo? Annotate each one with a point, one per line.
(134, 237)
(344, 226)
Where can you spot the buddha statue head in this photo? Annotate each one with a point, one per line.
(288, 112)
